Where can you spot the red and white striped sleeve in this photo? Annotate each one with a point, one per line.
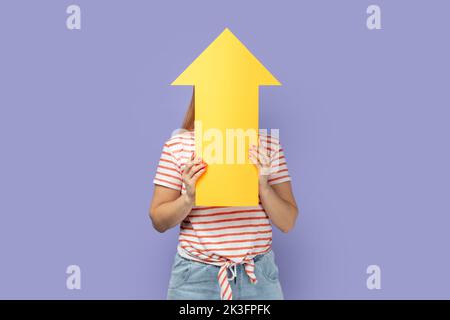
(168, 173)
(279, 171)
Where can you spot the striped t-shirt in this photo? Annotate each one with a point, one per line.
(223, 236)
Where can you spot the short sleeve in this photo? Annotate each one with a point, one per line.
(279, 171)
(168, 173)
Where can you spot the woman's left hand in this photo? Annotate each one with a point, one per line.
(260, 157)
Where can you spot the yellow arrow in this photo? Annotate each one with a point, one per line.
(226, 77)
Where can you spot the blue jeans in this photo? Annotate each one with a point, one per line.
(192, 280)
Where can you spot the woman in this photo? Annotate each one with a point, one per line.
(223, 252)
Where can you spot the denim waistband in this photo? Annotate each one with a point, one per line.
(260, 256)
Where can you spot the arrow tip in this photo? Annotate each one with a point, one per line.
(229, 55)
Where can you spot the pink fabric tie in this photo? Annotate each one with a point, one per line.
(224, 281)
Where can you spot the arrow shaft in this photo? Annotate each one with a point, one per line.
(226, 124)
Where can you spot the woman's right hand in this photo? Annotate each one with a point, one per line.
(193, 169)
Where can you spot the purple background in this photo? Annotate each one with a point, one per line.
(363, 116)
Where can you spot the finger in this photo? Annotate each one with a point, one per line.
(263, 162)
(195, 162)
(263, 150)
(198, 160)
(254, 161)
(251, 157)
(254, 153)
(254, 158)
(257, 149)
(263, 156)
(195, 169)
(198, 174)
(187, 167)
